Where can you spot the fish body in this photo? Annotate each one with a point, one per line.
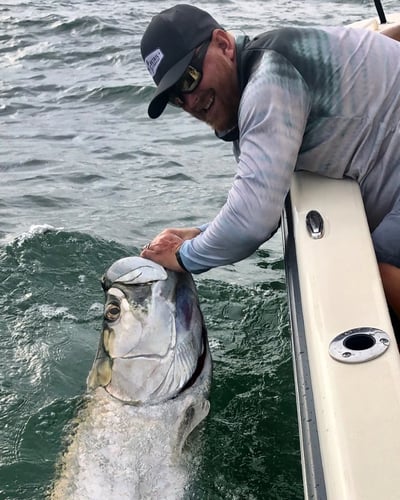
(147, 390)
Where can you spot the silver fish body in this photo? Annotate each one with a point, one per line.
(148, 389)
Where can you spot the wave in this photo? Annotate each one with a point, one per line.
(118, 92)
(57, 24)
(88, 25)
(34, 230)
(51, 239)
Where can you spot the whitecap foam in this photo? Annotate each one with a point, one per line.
(32, 231)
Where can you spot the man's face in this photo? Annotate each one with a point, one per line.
(216, 99)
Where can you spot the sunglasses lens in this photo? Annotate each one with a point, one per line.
(175, 100)
(186, 85)
(190, 80)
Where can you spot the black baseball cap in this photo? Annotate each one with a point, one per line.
(168, 45)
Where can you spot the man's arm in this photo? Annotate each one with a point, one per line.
(273, 116)
(392, 32)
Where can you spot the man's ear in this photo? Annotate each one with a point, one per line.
(225, 41)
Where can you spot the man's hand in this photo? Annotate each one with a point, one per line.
(164, 246)
(186, 233)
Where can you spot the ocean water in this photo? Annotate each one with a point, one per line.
(87, 178)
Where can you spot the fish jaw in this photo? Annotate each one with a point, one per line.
(152, 338)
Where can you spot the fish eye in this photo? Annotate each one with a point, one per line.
(112, 312)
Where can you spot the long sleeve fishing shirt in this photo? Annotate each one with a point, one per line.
(322, 100)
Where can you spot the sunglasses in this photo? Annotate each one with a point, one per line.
(190, 79)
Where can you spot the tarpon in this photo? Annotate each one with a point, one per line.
(147, 390)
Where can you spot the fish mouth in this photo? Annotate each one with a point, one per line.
(101, 375)
(153, 345)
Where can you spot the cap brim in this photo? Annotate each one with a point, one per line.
(160, 98)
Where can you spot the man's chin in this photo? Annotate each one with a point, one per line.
(222, 131)
(220, 127)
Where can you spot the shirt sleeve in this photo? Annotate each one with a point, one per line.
(272, 118)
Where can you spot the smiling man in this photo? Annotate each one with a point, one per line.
(325, 100)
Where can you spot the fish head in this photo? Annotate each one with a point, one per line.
(153, 335)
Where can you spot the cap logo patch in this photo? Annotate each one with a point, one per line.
(153, 61)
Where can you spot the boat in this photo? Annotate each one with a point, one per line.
(345, 352)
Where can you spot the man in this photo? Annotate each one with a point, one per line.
(323, 100)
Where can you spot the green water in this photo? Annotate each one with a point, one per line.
(51, 303)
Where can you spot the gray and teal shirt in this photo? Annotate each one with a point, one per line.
(322, 100)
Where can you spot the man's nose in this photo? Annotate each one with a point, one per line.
(190, 101)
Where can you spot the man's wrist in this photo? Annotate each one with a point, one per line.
(179, 259)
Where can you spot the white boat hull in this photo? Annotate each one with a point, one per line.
(374, 23)
(348, 392)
